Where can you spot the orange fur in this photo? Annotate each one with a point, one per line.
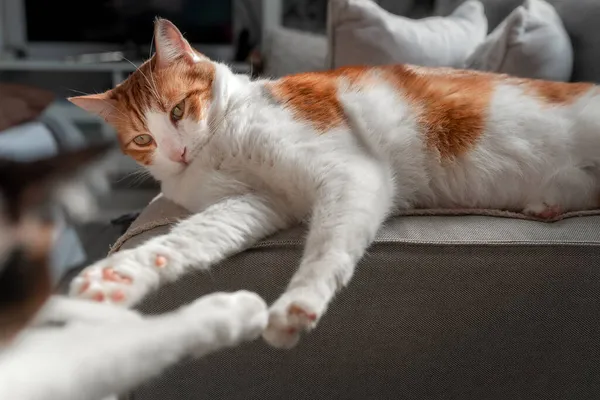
(313, 97)
(555, 93)
(451, 107)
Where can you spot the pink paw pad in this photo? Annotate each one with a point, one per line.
(84, 287)
(99, 297)
(109, 274)
(295, 310)
(550, 212)
(161, 261)
(117, 296)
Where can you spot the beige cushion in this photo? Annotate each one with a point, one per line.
(412, 226)
(361, 32)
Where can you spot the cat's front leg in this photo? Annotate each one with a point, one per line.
(347, 215)
(199, 242)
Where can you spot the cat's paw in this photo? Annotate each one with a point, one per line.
(294, 313)
(236, 317)
(543, 210)
(120, 279)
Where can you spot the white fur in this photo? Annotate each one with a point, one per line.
(256, 170)
(105, 350)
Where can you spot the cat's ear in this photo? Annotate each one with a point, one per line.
(171, 45)
(98, 104)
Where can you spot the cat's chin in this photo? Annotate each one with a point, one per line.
(166, 171)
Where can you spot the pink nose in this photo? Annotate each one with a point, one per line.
(179, 156)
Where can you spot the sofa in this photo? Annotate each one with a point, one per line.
(460, 304)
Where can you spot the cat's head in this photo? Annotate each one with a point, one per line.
(28, 191)
(161, 111)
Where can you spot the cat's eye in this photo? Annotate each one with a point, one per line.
(142, 140)
(177, 111)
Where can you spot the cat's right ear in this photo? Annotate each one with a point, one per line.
(98, 104)
(171, 45)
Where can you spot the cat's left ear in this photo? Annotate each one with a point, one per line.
(171, 45)
(98, 104)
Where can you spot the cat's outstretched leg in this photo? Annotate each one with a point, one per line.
(93, 361)
(346, 217)
(199, 242)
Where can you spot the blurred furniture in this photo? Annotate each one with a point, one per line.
(44, 136)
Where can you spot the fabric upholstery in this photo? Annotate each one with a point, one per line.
(471, 307)
(360, 32)
(530, 43)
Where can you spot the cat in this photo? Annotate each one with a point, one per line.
(55, 347)
(343, 150)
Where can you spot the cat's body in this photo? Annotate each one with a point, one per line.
(57, 348)
(343, 148)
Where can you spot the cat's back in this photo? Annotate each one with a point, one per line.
(434, 125)
(441, 99)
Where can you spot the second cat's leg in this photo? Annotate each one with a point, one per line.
(91, 362)
(348, 213)
(199, 242)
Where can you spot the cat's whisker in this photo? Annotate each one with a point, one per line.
(137, 174)
(151, 72)
(78, 92)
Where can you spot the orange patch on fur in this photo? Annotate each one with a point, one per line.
(312, 96)
(555, 93)
(451, 105)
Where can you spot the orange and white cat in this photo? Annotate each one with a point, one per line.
(344, 149)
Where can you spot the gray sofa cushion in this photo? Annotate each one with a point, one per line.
(580, 18)
(442, 307)
(361, 32)
(530, 43)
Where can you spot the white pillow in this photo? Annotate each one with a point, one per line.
(361, 32)
(530, 43)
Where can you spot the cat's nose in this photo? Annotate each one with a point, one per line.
(180, 156)
(183, 155)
